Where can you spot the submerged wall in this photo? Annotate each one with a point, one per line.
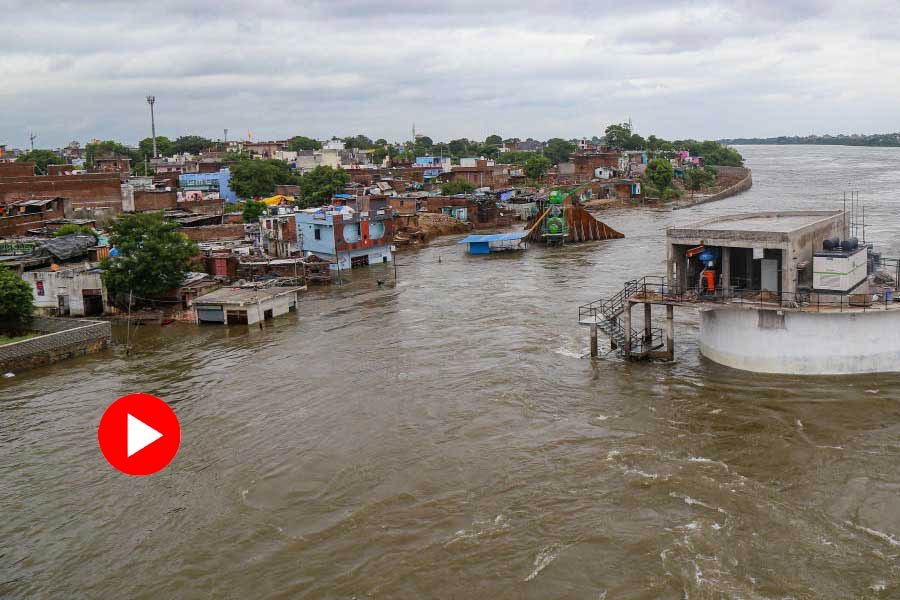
(763, 341)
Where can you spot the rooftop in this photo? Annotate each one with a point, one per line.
(764, 222)
(242, 296)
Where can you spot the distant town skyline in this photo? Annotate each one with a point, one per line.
(76, 71)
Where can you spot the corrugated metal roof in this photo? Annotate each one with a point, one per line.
(494, 237)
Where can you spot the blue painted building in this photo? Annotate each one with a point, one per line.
(214, 182)
(346, 237)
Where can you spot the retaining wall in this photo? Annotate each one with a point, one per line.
(741, 186)
(63, 338)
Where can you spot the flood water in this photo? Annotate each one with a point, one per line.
(444, 438)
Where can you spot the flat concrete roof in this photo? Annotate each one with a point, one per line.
(244, 295)
(761, 222)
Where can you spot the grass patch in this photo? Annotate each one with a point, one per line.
(10, 340)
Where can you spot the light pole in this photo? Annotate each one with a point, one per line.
(151, 100)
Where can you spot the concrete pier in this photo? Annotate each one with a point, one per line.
(594, 351)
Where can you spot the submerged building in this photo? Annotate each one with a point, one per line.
(778, 292)
(346, 237)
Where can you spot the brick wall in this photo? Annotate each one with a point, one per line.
(17, 169)
(214, 232)
(147, 200)
(204, 207)
(64, 338)
(86, 191)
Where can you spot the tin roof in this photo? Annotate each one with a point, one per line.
(494, 237)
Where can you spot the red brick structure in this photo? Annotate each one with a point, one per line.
(19, 218)
(208, 206)
(92, 190)
(587, 162)
(287, 190)
(207, 233)
(151, 200)
(16, 169)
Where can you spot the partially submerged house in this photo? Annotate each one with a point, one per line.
(347, 237)
(245, 306)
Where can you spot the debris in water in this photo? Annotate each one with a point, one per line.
(9, 375)
(875, 391)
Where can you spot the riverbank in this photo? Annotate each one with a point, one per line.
(737, 180)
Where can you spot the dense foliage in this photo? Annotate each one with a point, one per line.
(16, 301)
(252, 210)
(457, 186)
(192, 144)
(696, 179)
(299, 143)
(164, 146)
(258, 178)
(41, 158)
(712, 153)
(320, 184)
(70, 228)
(658, 180)
(537, 166)
(559, 150)
(153, 257)
(876, 139)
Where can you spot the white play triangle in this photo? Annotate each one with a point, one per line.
(140, 435)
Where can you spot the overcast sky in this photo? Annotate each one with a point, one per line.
(78, 70)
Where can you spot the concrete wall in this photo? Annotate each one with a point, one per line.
(65, 282)
(150, 200)
(741, 186)
(802, 343)
(65, 338)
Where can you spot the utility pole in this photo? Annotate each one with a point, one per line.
(31, 137)
(151, 100)
(226, 137)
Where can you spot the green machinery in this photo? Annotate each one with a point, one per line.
(554, 227)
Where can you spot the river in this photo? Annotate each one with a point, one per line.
(444, 438)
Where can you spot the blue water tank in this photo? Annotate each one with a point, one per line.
(706, 256)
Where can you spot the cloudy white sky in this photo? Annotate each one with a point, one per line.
(78, 70)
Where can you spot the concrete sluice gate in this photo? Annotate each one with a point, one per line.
(802, 343)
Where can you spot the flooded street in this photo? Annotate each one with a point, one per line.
(444, 438)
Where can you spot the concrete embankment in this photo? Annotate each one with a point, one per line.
(62, 339)
(744, 178)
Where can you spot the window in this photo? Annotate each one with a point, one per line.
(318, 233)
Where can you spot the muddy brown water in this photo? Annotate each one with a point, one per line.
(443, 438)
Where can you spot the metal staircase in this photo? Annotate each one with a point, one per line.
(607, 314)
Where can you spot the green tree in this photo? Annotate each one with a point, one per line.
(559, 150)
(163, 146)
(153, 257)
(256, 178)
(253, 210)
(712, 153)
(16, 301)
(41, 158)
(111, 148)
(696, 179)
(657, 180)
(192, 144)
(493, 140)
(320, 184)
(457, 186)
(70, 228)
(300, 142)
(537, 166)
(359, 141)
(515, 158)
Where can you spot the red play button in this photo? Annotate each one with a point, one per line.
(139, 434)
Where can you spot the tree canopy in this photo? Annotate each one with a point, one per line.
(457, 186)
(16, 301)
(300, 142)
(696, 179)
(252, 211)
(559, 150)
(493, 140)
(111, 147)
(192, 144)
(515, 158)
(153, 257)
(320, 184)
(41, 158)
(70, 228)
(537, 166)
(658, 180)
(620, 136)
(258, 178)
(164, 146)
(712, 153)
